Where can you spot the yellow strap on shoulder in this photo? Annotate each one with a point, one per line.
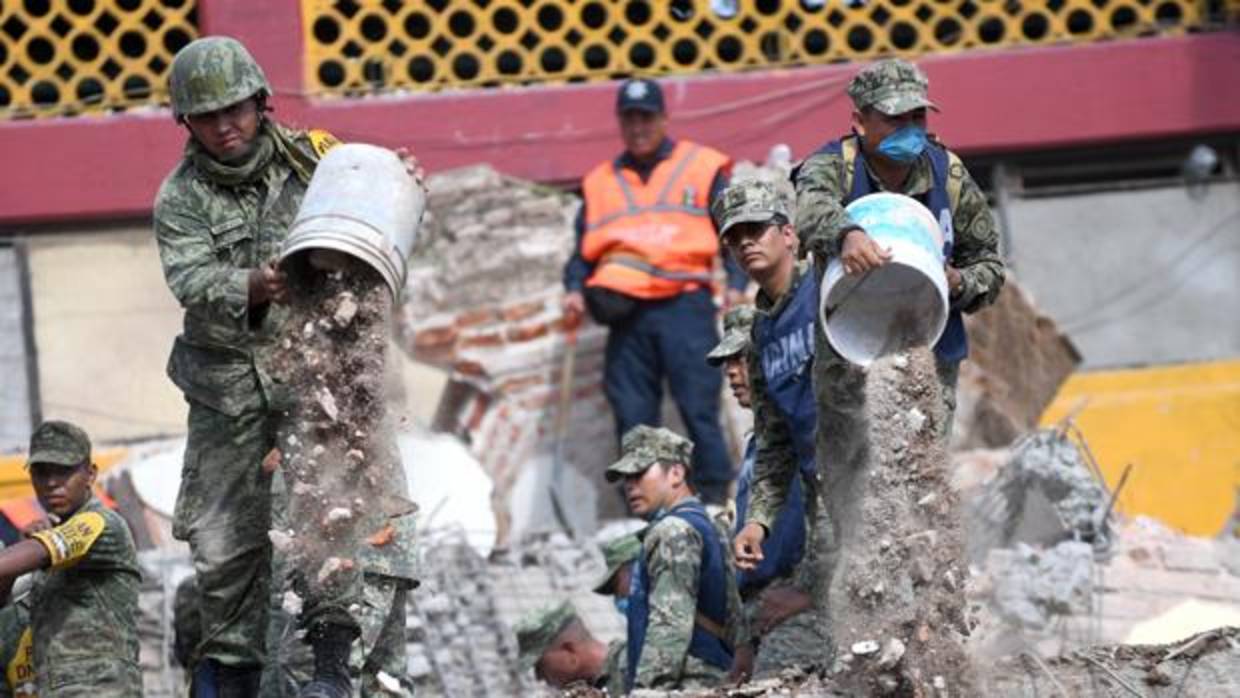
(20, 671)
(69, 542)
(322, 141)
(848, 151)
(954, 184)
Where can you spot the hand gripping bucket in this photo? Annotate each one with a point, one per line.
(900, 305)
(360, 202)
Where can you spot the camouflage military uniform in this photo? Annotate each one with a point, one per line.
(802, 639)
(894, 87)
(612, 679)
(672, 551)
(84, 610)
(842, 449)
(17, 673)
(538, 631)
(214, 223)
(84, 604)
(210, 235)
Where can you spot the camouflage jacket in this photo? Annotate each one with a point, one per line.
(775, 463)
(84, 612)
(210, 237)
(822, 187)
(673, 550)
(16, 650)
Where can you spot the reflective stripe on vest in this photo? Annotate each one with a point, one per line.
(652, 239)
(712, 596)
(953, 346)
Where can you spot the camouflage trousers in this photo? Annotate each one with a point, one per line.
(223, 511)
(803, 640)
(16, 657)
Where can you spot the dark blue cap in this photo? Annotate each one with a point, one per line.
(640, 94)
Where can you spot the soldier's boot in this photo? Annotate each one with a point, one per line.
(331, 644)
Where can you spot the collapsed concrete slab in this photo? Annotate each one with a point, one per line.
(1045, 493)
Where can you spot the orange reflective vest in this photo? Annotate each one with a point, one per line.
(654, 239)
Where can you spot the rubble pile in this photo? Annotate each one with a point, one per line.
(1052, 575)
(1204, 666)
(458, 646)
(460, 638)
(897, 599)
(1045, 493)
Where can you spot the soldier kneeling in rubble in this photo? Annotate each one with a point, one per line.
(684, 613)
(84, 602)
(557, 646)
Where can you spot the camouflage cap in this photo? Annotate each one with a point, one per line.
(643, 446)
(749, 201)
(59, 443)
(892, 86)
(536, 632)
(617, 553)
(737, 329)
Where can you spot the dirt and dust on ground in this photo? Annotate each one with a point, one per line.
(1206, 665)
(335, 442)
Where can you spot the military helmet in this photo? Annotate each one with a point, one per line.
(212, 73)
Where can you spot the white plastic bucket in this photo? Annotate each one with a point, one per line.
(361, 202)
(900, 305)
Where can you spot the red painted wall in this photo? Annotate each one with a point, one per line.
(993, 101)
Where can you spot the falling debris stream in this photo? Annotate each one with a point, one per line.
(335, 443)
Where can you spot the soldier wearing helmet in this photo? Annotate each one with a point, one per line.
(220, 219)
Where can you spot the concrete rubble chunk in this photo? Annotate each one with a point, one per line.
(327, 402)
(292, 603)
(346, 309)
(1044, 493)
